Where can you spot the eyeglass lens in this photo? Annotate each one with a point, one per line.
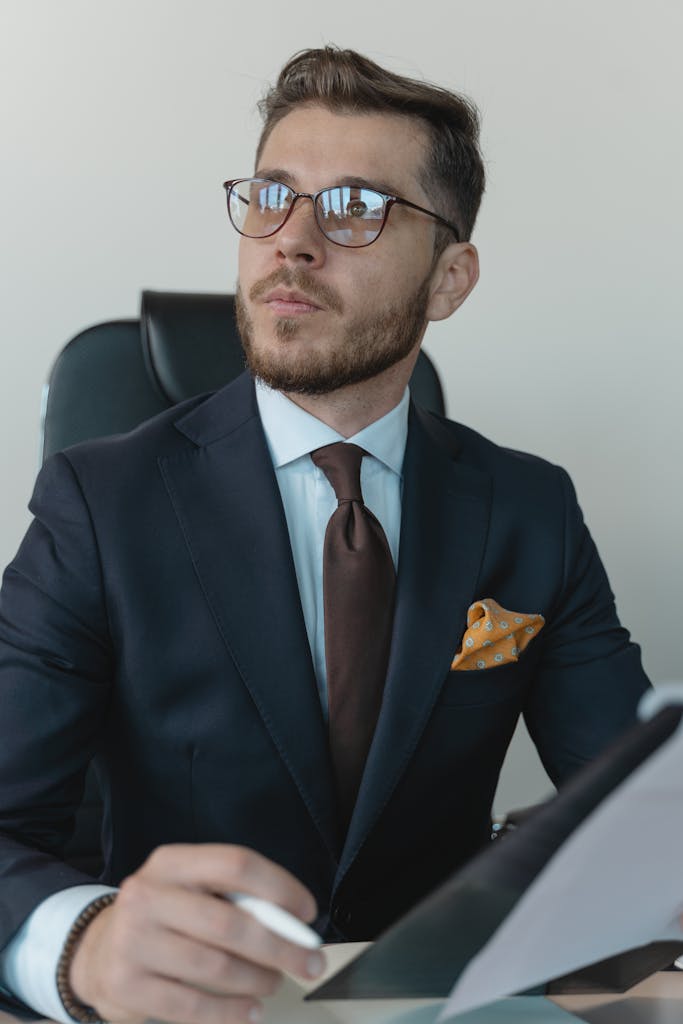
(346, 214)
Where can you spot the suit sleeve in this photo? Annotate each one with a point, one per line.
(590, 676)
(56, 667)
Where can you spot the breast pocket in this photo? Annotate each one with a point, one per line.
(484, 686)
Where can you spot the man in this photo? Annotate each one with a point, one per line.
(181, 609)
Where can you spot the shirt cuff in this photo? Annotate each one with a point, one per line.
(28, 964)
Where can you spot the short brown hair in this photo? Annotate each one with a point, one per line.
(346, 81)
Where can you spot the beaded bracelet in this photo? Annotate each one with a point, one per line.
(77, 1010)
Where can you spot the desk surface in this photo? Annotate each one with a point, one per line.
(658, 1000)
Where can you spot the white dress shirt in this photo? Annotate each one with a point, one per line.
(28, 965)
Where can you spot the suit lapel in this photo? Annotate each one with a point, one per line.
(444, 523)
(228, 504)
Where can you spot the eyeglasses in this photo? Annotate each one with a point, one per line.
(349, 215)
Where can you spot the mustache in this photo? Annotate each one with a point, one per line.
(303, 281)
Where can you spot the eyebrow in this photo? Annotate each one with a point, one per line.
(279, 174)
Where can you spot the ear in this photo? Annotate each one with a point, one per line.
(453, 278)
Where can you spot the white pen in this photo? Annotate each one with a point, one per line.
(276, 919)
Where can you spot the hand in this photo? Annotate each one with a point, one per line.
(171, 947)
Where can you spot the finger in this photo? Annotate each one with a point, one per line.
(171, 1001)
(172, 955)
(220, 868)
(218, 923)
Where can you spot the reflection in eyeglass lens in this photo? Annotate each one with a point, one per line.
(350, 215)
(263, 207)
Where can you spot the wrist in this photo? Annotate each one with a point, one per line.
(75, 979)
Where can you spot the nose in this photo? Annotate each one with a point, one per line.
(300, 240)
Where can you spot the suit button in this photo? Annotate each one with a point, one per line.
(341, 916)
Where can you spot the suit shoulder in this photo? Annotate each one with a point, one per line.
(476, 448)
(197, 420)
(121, 467)
(503, 463)
(152, 437)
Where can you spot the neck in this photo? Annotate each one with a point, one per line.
(348, 410)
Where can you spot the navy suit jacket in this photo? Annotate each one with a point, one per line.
(152, 619)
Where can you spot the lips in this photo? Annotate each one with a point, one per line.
(290, 302)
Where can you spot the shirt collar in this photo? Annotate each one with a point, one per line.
(291, 432)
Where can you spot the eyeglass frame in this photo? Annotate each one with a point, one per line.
(388, 199)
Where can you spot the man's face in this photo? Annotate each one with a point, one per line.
(315, 316)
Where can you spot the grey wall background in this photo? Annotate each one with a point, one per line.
(118, 123)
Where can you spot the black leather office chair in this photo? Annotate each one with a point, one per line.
(112, 376)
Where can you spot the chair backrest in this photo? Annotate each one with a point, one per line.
(112, 376)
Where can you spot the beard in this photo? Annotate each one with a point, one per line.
(369, 344)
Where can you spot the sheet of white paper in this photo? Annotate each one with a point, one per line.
(615, 884)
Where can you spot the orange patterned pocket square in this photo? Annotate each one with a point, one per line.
(494, 636)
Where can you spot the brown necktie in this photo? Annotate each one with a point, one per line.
(358, 592)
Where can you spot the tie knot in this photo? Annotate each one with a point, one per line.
(340, 463)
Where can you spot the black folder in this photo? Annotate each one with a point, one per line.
(424, 953)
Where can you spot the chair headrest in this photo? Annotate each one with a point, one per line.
(190, 342)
